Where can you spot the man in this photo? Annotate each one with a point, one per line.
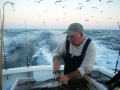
(78, 53)
(115, 80)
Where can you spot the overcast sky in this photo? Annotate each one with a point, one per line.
(48, 15)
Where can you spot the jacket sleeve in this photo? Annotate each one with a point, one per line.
(89, 59)
(60, 50)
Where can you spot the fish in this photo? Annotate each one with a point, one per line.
(50, 83)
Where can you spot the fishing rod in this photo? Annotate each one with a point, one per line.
(117, 61)
(2, 39)
(27, 62)
(0, 56)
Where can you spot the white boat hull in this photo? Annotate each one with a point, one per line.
(41, 73)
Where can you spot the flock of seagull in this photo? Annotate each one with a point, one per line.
(59, 1)
(66, 0)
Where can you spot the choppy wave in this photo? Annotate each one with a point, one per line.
(38, 45)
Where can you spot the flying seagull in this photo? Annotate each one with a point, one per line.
(101, 10)
(87, 19)
(94, 7)
(77, 8)
(64, 13)
(109, 2)
(87, 0)
(45, 11)
(80, 3)
(58, 1)
(38, 15)
(96, 22)
(63, 6)
(57, 19)
(81, 7)
(38, 1)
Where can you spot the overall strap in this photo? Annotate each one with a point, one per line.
(85, 48)
(67, 44)
(72, 63)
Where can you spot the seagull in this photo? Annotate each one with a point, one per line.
(96, 22)
(63, 6)
(87, 0)
(81, 7)
(101, 10)
(109, 2)
(94, 7)
(80, 3)
(64, 13)
(77, 8)
(14, 10)
(45, 11)
(38, 15)
(38, 1)
(58, 1)
(57, 19)
(87, 19)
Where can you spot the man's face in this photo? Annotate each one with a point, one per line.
(76, 39)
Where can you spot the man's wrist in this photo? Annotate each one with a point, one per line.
(73, 74)
(56, 58)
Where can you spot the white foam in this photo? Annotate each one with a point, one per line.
(105, 56)
(43, 54)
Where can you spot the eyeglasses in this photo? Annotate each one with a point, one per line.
(72, 37)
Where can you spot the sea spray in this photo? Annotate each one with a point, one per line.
(43, 56)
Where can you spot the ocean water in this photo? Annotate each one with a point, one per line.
(35, 46)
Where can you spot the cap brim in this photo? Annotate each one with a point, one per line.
(70, 32)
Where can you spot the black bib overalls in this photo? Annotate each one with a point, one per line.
(71, 64)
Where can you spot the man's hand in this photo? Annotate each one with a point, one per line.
(56, 64)
(63, 78)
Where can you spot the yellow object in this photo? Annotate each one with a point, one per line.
(117, 88)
